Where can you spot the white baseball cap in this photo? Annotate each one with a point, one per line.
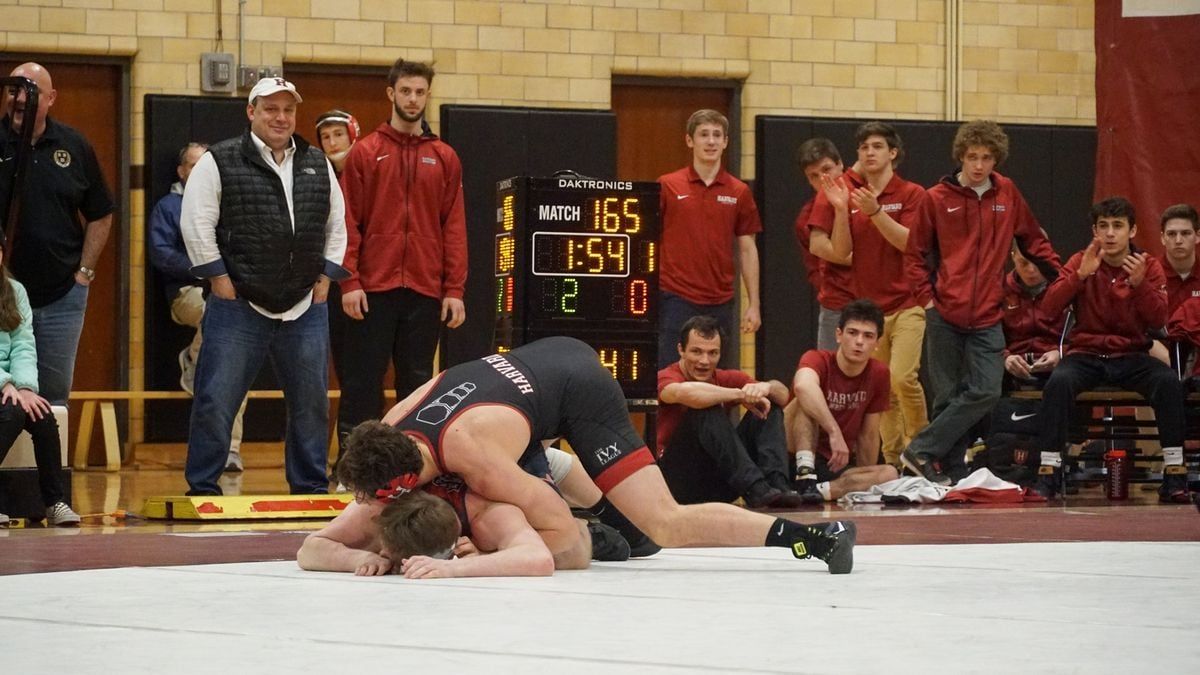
(273, 85)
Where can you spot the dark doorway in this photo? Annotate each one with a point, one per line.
(362, 92)
(652, 116)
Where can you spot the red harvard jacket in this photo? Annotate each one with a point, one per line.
(957, 252)
(1028, 327)
(1111, 317)
(1184, 326)
(1179, 289)
(405, 223)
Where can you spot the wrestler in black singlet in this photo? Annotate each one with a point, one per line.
(559, 387)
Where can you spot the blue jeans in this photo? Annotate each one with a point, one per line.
(56, 329)
(966, 369)
(674, 311)
(237, 340)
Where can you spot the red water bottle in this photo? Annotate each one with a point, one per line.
(1117, 466)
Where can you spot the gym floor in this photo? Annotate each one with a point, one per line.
(935, 588)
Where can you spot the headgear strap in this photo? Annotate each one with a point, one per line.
(396, 487)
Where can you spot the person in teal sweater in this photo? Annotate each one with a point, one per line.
(20, 405)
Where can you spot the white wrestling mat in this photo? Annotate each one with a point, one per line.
(1012, 608)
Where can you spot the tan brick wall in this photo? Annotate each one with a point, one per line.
(1022, 61)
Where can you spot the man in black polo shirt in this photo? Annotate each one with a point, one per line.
(66, 213)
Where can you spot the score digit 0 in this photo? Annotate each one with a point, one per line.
(614, 214)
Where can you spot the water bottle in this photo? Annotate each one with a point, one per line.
(1116, 463)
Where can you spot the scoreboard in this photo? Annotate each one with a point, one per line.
(579, 257)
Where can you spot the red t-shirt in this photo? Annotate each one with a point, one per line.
(878, 267)
(850, 399)
(669, 415)
(1178, 288)
(812, 264)
(837, 283)
(700, 224)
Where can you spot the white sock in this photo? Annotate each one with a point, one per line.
(1173, 456)
(823, 488)
(1053, 459)
(805, 459)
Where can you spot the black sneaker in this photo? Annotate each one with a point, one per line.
(807, 487)
(607, 544)
(923, 467)
(1174, 488)
(640, 545)
(832, 542)
(787, 499)
(760, 495)
(1048, 482)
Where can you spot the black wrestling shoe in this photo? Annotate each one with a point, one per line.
(1048, 483)
(806, 485)
(832, 542)
(640, 545)
(607, 544)
(1174, 488)
(923, 467)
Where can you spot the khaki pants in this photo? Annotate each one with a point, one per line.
(187, 309)
(900, 349)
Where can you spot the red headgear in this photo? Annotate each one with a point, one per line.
(340, 117)
(397, 487)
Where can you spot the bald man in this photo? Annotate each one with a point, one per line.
(66, 214)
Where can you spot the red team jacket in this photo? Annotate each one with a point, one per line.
(1111, 317)
(1028, 327)
(405, 223)
(1179, 289)
(965, 238)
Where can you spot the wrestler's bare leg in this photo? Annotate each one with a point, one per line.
(644, 498)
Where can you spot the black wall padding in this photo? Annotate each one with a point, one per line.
(171, 123)
(496, 143)
(1052, 165)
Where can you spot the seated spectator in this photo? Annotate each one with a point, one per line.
(702, 456)
(1179, 225)
(337, 132)
(1178, 260)
(185, 293)
(20, 405)
(1032, 335)
(1119, 293)
(833, 421)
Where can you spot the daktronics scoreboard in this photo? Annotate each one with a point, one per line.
(579, 257)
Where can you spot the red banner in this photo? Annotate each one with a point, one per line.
(1148, 106)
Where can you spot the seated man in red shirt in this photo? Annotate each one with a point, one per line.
(702, 457)
(1119, 293)
(1032, 335)
(840, 398)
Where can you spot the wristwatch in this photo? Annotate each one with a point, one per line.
(87, 272)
